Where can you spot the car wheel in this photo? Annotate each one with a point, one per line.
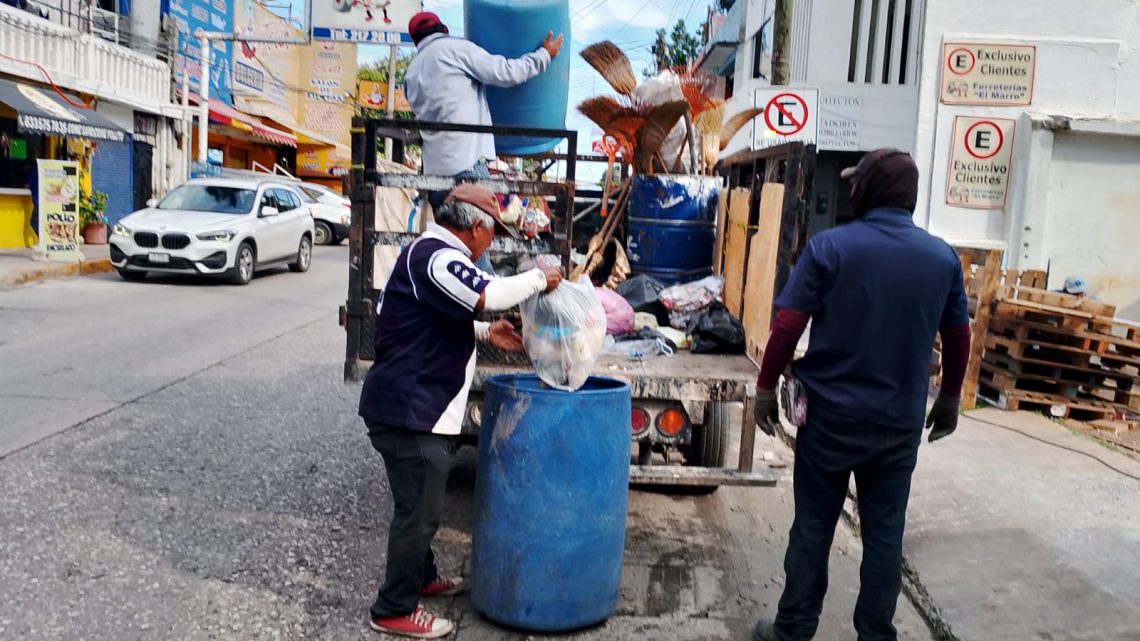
(304, 256)
(244, 264)
(709, 444)
(131, 275)
(323, 233)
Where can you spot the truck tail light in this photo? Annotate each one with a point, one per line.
(638, 421)
(671, 422)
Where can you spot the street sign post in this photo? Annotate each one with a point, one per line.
(788, 115)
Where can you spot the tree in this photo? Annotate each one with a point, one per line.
(377, 71)
(682, 50)
(725, 5)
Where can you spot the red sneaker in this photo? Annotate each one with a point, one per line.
(420, 624)
(444, 587)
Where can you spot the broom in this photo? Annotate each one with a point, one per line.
(709, 124)
(613, 65)
(651, 136)
(734, 124)
(594, 251)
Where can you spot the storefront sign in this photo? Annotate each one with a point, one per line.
(840, 123)
(262, 69)
(374, 95)
(321, 162)
(365, 21)
(58, 207)
(980, 161)
(982, 73)
(328, 77)
(189, 17)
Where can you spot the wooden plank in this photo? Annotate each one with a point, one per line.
(697, 476)
(991, 280)
(721, 225)
(736, 249)
(760, 285)
(1066, 301)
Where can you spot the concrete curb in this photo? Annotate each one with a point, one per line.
(52, 271)
(912, 586)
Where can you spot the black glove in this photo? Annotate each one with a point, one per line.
(766, 411)
(943, 417)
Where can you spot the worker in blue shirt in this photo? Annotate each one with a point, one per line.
(415, 395)
(876, 291)
(447, 82)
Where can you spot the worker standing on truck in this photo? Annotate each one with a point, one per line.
(876, 291)
(446, 82)
(415, 395)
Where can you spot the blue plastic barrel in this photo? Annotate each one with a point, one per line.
(550, 503)
(672, 226)
(512, 28)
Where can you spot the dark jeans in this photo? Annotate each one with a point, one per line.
(828, 450)
(417, 465)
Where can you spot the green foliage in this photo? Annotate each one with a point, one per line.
(725, 4)
(92, 207)
(681, 49)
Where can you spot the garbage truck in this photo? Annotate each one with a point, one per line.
(687, 407)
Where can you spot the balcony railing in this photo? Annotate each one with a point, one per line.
(79, 61)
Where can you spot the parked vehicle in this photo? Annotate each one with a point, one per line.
(332, 213)
(217, 227)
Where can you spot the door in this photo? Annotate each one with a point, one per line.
(143, 173)
(272, 231)
(286, 232)
(300, 217)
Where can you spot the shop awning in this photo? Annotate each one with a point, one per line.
(43, 111)
(223, 114)
(275, 136)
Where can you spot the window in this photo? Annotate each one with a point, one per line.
(209, 198)
(880, 50)
(286, 201)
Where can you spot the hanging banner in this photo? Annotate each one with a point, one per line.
(58, 207)
(985, 73)
(364, 21)
(980, 161)
(265, 73)
(374, 95)
(328, 78)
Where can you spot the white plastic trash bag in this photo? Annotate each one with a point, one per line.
(563, 333)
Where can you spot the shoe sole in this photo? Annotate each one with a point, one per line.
(413, 635)
(452, 592)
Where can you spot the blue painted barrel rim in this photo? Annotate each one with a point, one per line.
(507, 381)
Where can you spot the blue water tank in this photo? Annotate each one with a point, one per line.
(672, 226)
(550, 503)
(512, 28)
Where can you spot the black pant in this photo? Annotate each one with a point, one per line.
(418, 464)
(828, 450)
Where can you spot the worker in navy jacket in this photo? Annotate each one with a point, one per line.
(876, 292)
(415, 395)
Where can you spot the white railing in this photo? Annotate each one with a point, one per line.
(81, 62)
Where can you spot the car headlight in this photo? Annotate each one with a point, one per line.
(120, 230)
(224, 235)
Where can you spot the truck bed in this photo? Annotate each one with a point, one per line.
(683, 376)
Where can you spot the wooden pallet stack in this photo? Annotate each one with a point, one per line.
(1058, 353)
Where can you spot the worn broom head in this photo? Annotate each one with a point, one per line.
(710, 121)
(699, 88)
(600, 109)
(735, 123)
(651, 137)
(612, 63)
(710, 152)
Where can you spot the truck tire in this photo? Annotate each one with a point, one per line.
(709, 445)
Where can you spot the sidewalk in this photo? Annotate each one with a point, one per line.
(19, 267)
(1026, 532)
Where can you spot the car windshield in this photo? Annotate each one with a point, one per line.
(210, 198)
(314, 193)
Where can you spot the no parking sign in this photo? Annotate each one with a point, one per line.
(789, 115)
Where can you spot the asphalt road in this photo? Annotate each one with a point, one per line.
(181, 460)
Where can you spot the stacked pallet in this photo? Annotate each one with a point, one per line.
(1058, 353)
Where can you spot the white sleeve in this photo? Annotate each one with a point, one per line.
(498, 71)
(504, 293)
(456, 283)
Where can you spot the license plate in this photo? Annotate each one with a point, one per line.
(160, 259)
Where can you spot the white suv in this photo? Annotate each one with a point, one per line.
(221, 227)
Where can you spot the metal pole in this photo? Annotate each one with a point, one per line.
(204, 98)
(392, 55)
(782, 42)
(187, 121)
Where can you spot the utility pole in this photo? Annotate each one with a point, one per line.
(659, 51)
(782, 42)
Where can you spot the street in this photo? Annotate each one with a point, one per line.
(181, 460)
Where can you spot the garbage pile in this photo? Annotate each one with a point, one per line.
(667, 319)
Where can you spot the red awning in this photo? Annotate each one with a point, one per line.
(223, 114)
(276, 136)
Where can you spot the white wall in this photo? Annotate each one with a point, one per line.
(1088, 65)
(146, 21)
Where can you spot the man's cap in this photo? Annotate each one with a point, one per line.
(423, 20)
(867, 161)
(1076, 285)
(481, 198)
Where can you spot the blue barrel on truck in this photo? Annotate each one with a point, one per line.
(551, 496)
(672, 226)
(512, 28)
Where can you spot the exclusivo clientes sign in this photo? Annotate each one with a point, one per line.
(986, 73)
